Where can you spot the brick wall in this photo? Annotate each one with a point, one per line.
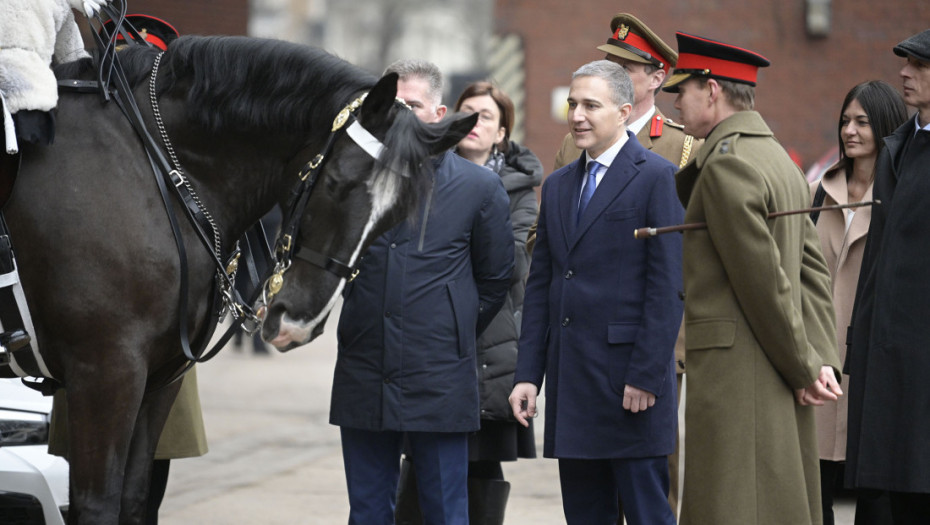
(799, 95)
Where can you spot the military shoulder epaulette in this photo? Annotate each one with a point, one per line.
(672, 123)
(726, 145)
(655, 126)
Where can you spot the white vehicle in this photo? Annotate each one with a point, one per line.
(33, 484)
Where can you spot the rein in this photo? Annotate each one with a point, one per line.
(171, 180)
(285, 243)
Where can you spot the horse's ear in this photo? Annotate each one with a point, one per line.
(380, 98)
(459, 125)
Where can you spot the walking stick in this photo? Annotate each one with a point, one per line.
(645, 233)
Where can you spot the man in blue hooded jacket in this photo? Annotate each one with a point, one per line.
(406, 370)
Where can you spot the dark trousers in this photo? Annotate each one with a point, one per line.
(872, 506)
(590, 488)
(372, 466)
(909, 508)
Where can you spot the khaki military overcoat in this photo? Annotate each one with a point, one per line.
(759, 323)
(183, 436)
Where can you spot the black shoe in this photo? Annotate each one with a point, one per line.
(14, 340)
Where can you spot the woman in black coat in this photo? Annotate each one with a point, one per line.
(501, 438)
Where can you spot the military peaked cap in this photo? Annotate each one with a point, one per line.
(155, 30)
(633, 40)
(706, 58)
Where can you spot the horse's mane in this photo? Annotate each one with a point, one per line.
(273, 85)
(244, 82)
(253, 82)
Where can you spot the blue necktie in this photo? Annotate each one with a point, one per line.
(589, 186)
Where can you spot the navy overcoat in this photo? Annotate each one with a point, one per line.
(603, 309)
(888, 447)
(410, 319)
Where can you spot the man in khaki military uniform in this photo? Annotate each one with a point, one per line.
(647, 59)
(760, 327)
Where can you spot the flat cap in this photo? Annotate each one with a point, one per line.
(706, 58)
(633, 40)
(917, 46)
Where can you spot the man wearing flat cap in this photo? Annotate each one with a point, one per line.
(759, 321)
(888, 445)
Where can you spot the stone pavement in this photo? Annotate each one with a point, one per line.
(275, 460)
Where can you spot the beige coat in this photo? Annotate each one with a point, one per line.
(843, 251)
(759, 324)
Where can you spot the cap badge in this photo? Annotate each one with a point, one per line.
(622, 31)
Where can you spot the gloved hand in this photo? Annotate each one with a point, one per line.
(90, 7)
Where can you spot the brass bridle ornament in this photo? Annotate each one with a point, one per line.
(286, 243)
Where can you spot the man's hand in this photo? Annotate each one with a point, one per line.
(523, 402)
(636, 400)
(90, 7)
(824, 389)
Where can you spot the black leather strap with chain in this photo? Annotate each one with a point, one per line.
(113, 84)
(288, 243)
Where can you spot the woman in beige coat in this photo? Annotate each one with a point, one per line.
(871, 110)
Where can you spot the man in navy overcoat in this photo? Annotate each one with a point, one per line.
(407, 367)
(602, 312)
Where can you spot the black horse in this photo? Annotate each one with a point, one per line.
(97, 258)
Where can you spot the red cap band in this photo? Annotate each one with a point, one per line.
(718, 67)
(642, 44)
(151, 39)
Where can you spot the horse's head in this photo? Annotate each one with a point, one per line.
(371, 179)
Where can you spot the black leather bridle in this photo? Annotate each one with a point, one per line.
(288, 244)
(169, 176)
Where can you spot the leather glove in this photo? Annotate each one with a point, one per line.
(89, 7)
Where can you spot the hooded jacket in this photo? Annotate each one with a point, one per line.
(411, 318)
